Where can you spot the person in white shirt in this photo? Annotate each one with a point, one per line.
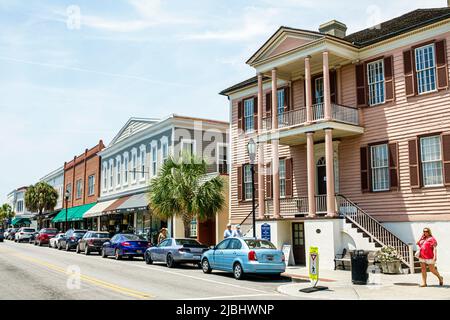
(228, 232)
(237, 233)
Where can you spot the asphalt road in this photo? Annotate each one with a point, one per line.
(31, 272)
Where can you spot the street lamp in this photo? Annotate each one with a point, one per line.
(67, 200)
(251, 149)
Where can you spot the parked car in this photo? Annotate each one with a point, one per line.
(70, 239)
(23, 234)
(6, 233)
(33, 237)
(11, 234)
(92, 241)
(173, 251)
(54, 242)
(128, 245)
(243, 256)
(44, 236)
(2, 237)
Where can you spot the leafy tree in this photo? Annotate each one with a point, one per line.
(6, 212)
(39, 198)
(183, 189)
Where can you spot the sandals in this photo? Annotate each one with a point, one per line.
(423, 285)
(441, 282)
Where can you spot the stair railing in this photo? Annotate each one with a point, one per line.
(376, 231)
(247, 223)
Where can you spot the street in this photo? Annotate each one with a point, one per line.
(31, 272)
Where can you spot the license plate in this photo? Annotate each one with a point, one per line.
(270, 258)
(138, 251)
(196, 257)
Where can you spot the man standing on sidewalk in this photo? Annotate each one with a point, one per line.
(228, 233)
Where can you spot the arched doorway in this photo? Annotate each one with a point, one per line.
(321, 176)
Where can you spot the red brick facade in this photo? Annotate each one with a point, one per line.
(78, 171)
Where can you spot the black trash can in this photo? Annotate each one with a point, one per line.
(359, 267)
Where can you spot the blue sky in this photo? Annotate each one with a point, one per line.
(62, 88)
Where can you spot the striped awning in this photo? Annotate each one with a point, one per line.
(136, 202)
(98, 209)
(73, 214)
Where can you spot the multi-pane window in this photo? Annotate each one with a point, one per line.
(79, 188)
(248, 115)
(282, 175)
(20, 206)
(426, 69)
(142, 163)
(91, 185)
(380, 167)
(125, 169)
(111, 174)
(375, 79)
(105, 176)
(69, 190)
(164, 151)
(134, 164)
(248, 191)
(280, 105)
(431, 160)
(188, 147)
(319, 90)
(154, 160)
(193, 228)
(222, 159)
(118, 171)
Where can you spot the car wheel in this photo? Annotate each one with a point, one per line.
(104, 254)
(205, 266)
(238, 272)
(86, 251)
(148, 259)
(77, 249)
(117, 255)
(169, 261)
(130, 257)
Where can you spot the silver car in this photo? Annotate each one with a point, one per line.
(174, 251)
(53, 242)
(24, 234)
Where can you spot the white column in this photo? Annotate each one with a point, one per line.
(329, 159)
(275, 143)
(311, 174)
(308, 94)
(326, 87)
(261, 183)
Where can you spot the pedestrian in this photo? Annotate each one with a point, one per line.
(228, 232)
(162, 235)
(237, 233)
(428, 255)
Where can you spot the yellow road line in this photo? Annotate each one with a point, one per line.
(85, 278)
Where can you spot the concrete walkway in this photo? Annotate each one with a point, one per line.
(380, 286)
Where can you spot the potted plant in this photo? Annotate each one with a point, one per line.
(389, 259)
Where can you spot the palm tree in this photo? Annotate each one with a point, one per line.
(39, 198)
(6, 213)
(182, 189)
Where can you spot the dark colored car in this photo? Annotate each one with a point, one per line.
(70, 239)
(44, 236)
(1, 235)
(128, 245)
(92, 241)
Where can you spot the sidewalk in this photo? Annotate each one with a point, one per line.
(380, 286)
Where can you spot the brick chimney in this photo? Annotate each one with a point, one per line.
(334, 28)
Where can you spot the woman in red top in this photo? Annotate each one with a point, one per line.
(428, 256)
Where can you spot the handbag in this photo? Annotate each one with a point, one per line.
(417, 254)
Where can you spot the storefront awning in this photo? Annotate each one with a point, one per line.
(98, 209)
(113, 207)
(19, 220)
(134, 203)
(73, 214)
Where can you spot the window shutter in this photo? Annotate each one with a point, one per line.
(256, 181)
(361, 94)
(414, 173)
(393, 166)
(441, 65)
(269, 190)
(333, 86)
(289, 178)
(255, 112)
(287, 101)
(408, 68)
(364, 158)
(389, 79)
(240, 177)
(240, 115)
(268, 104)
(446, 158)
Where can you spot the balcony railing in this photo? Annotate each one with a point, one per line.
(298, 117)
(297, 205)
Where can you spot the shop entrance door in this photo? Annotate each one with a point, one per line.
(298, 243)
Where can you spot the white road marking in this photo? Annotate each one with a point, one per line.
(236, 296)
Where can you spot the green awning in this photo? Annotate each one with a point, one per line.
(73, 214)
(18, 220)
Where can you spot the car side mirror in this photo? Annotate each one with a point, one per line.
(212, 247)
(107, 243)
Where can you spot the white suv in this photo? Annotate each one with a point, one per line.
(24, 234)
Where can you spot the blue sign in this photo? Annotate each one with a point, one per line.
(265, 231)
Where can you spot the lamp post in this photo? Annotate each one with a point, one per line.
(67, 200)
(251, 149)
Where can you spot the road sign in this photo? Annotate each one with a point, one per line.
(314, 263)
(265, 231)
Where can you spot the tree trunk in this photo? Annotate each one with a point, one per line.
(187, 225)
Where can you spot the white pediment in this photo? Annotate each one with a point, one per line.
(133, 126)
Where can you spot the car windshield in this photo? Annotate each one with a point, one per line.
(259, 244)
(100, 235)
(133, 237)
(28, 230)
(181, 242)
(52, 231)
(79, 233)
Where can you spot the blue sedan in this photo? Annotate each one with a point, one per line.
(244, 255)
(125, 245)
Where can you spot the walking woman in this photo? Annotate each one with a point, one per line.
(428, 256)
